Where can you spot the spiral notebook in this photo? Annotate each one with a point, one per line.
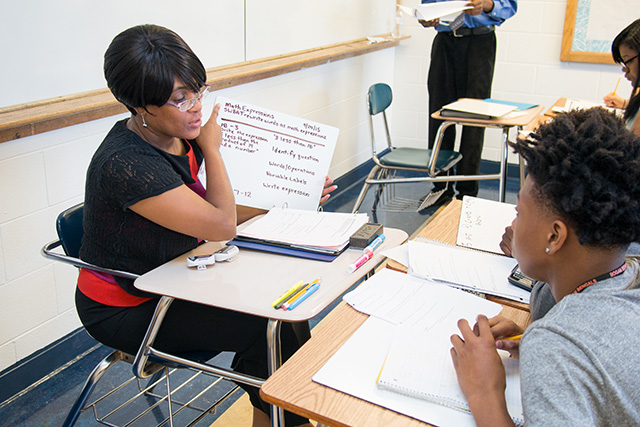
(419, 365)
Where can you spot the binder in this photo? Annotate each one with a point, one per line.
(282, 249)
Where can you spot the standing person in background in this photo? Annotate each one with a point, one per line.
(625, 50)
(462, 65)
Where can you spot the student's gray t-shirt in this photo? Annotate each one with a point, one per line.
(579, 363)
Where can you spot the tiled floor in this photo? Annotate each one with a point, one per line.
(47, 403)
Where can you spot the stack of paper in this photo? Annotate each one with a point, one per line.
(310, 231)
(468, 108)
(430, 11)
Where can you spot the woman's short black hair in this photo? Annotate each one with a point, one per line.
(630, 37)
(141, 64)
(585, 165)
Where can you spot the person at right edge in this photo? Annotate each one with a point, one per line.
(462, 65)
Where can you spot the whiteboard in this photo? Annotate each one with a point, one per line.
(281, 26)
(54, 48)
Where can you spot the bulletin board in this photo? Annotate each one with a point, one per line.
(591, 25)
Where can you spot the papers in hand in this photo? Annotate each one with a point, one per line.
(431, 11)
(469, 108)
(310, 230)
(482, 223)
(274, 159)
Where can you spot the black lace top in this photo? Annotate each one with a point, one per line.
(124, 170)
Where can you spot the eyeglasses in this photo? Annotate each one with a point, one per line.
(188, 104)
(626, 63)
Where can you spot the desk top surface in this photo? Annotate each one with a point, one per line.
(523, 119)
(332, 407)
(254, 280)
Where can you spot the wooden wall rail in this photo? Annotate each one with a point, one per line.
(46, 115)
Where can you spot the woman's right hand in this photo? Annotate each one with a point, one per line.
(211, 133)
(614, 101)
(505, 244)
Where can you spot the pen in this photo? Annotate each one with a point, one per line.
(375, 243)
(307, 293)
(513, 338)
(298, 294)
(367, 255)
(363, 258)
(295, 288)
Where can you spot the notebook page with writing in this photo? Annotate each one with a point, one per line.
(419, 365)
(482, 223)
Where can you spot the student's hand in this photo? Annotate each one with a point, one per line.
(479, 369)
(505, 244)
(614, 101)
(328, 188)
(211, 134)
(501, 327)
(479, 6)
(431, 23)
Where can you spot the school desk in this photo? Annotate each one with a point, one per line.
(254, 280)
(292, 388)
(505, 124)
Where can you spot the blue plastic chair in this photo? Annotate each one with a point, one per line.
(70, 232)
(432, 163)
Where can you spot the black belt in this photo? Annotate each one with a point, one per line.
(477, 31)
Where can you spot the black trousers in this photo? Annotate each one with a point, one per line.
(461, 67)
(190, 327)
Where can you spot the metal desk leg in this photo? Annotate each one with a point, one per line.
(274, 359)
(503, 164)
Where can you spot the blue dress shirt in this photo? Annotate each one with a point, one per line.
(502, 10)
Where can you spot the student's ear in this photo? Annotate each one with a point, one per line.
(557, 236)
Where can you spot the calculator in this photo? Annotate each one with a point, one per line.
(520, 280)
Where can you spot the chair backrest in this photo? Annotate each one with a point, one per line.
(379, 98)
(69, 228)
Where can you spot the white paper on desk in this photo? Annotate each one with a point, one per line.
(445, 10)
(418, 303)
(399, 254)
(466, 268)
(353, 370)
(274, 159)
(308, 228)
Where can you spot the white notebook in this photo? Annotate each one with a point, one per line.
(479, 107)
(482, 223)
(419, 365)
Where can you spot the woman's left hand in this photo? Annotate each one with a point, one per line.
(328, 188)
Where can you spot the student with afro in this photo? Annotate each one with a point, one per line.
(577, 213)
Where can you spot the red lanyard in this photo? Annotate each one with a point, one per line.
(612, 273)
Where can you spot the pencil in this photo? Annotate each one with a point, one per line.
(614, 90)
(513, 338)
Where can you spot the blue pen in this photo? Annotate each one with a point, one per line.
(304, 296)
(373, 245)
